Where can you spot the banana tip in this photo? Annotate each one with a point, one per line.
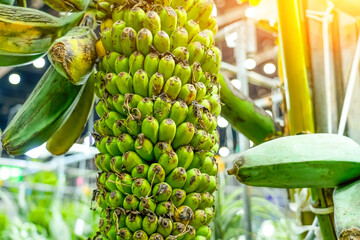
(231, 171)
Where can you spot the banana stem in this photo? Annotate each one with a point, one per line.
(297, 91)
(243, 114)
(22, 3)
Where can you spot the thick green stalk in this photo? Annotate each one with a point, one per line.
(243, 114)
(297, 91)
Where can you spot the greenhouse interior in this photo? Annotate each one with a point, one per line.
(179, 119)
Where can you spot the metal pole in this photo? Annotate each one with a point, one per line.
(349, 89)
(240, 55)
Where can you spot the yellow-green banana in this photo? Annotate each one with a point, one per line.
(30, 31)
(17, 61)
(67, 5)
(347, 211)
(66, 136)
(74, 54)
(302, 161)
(46, 109)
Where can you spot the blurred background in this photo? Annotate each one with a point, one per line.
(46, 197)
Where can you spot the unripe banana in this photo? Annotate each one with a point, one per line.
(209, 62)
(203, 38)
(110, 182)
(133, 222)
(125, 234)
(111, 146)
(140, 187)
(185, 3)
(125, 83)
(140, 235)
(144, 148)
(167, 130)
(117, 29)
(164, 226)
(179, 38)
(162, 41)
(116, 199)
(135, 18)
(161, 148)
(140, 171)
(156, 174)
(152, 22)
(111, 86)
(192, 28)
(164, 208)
(162, 107)
(200, 91)
(106, 39)
(150, 129)
(166, 66)
(122, 64)
(162, 192)
(181, 15)
(178, 112)
(116, 164)
(184, 134)
(210, 24)
(186, 155)
(168, 19)
(136, 62)
(181, 53)
(156, 84)
(193, 180)
(156, 236)
(184, 215)
(196, 52)
(147, 204)
(144, 40)
(177, 177)
(178, 196)
(133, 125)
(172, 87)
(141, 83)
(193, 200)
(183, 71)
(205, 182)
(188, 93)
(131, 160)
(146, 107)
(149, 224)
(128, 41)
(125, 143)
(151, 64)
(168, 161)
(118, 102)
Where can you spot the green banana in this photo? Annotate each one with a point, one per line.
(46, 109)
(67, 5)
(302, 161)
(346, 211)
(61, 141)
(30, 31)
(17, 61)
(74, 54)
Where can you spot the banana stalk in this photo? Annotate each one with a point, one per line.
(67, 5)
(347, 212)
(243, 114)
(74, 55)
(46, 109)
(298, 98)
(66, 136)
(26, 31)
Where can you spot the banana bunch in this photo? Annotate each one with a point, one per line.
(158, 106)
(301, 161)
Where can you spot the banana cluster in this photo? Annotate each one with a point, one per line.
(158, 105)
